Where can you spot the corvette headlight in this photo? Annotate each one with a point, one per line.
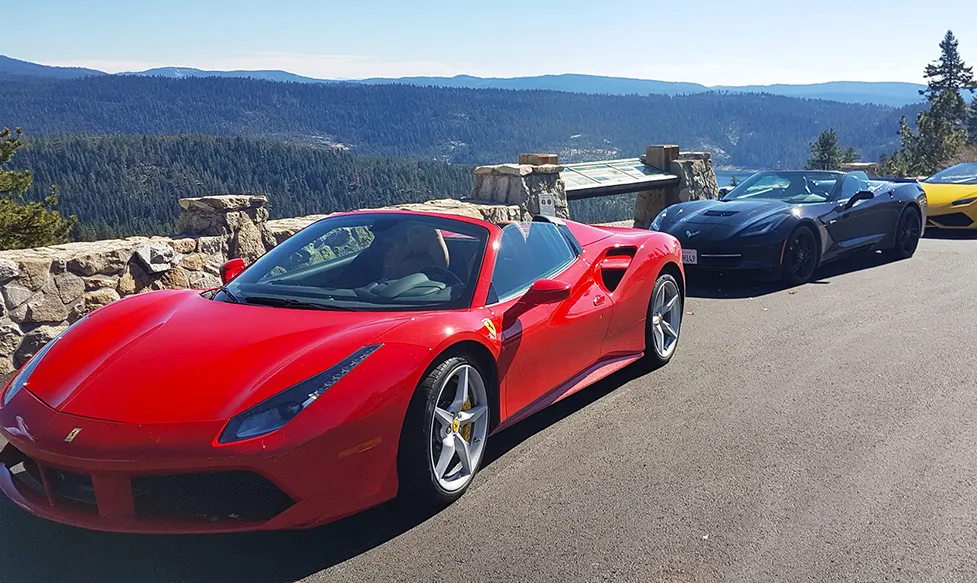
(274, 413)
(656, 224)
(964, 201)
(764, 226)
(20, 381)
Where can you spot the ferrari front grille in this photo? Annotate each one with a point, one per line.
(951, 220)
(216, 496)
(71, 489)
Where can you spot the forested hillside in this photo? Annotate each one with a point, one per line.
(128, 185)
(459, 125)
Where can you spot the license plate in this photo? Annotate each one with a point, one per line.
(690, 256)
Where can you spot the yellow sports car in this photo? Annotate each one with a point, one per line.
(952, 197)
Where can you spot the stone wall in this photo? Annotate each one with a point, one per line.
(697, 181)
(43, 290)
(523, 185)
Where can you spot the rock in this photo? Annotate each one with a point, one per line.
(194, 262)
(157, 257)
(10, 338)
(184, 246)
(105, 261)
(15, 295)
(34, 341)
(99, 282)
(46, 306)
(223, 202)
(203, 280)
(70, 287)
(8, 270)
(19, 313)
(175, 278)
(34, 272)
(212, 245)
(6, 366)
(100, 297)
(247, 243)
(135, 279)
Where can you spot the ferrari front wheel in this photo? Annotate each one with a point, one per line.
(445, 432)
(664, 321)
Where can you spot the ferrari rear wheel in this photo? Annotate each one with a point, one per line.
(800, 256)
(444, 435)
(908, 232)
(664, 321)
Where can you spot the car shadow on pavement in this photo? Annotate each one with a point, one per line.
(734, 285)
(35, 550)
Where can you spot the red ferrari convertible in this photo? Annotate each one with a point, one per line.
(372, 354)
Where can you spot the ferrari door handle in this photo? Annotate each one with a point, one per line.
(599, 300)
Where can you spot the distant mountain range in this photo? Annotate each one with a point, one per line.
(880, 93)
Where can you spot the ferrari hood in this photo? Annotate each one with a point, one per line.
(175, 356)
(732, 215)
(944, 194)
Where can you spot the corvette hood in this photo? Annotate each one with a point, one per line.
(727, 217)
(944, 194)
(174, 356)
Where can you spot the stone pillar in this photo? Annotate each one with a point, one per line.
(647, 205)
(235, 223)
(697, 179)
(534, 185)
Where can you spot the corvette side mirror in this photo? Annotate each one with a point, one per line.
(861, 195)
(231, 269)
(546, 291)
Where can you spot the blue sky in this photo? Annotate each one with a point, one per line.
(706, 41)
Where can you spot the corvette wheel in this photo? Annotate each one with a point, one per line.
(908, 232)
(664, 321)
(800, 256)
(445, 432)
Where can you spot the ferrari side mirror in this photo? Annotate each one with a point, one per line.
(231, 269)
(546, 291)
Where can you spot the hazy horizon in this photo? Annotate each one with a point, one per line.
(756, 42)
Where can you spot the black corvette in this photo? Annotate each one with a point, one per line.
(789, 223)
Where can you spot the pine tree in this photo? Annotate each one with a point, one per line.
(827, 155)
(942, 128)
(947, 76)
(32, 224)
(972, 123)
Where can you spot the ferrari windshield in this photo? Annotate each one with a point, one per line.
(789, 186)
(959, 174)
(368, 262)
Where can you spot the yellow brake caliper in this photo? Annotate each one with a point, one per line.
(466, 431)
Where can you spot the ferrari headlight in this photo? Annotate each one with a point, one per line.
(964, 201)
(272, 414)
(764, 226)
(20, 381)
(656, 224)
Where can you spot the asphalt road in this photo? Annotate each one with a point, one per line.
(824, 433)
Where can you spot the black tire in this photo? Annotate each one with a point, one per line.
(653, 358)
(908, 231)
(800, 256)
(418, 483)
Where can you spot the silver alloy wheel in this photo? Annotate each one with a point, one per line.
(459, 428)
(666, 318)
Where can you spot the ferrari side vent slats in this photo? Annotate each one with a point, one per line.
(614, 265)
(211, 496)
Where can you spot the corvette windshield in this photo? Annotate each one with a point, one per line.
(368, 262)
(789, 187)
(959, 174)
